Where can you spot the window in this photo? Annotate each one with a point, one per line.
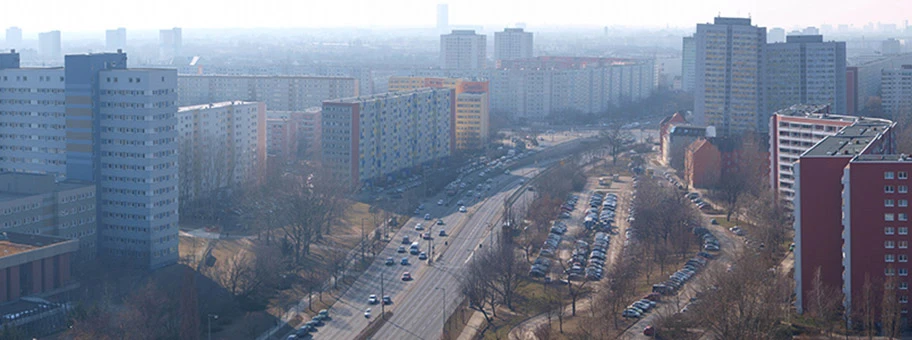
(903, 217)
(888, 189)
(888, 175)
(903, 272)
(889, 244)
(904, 230)
(889, 271)
(889, 217)
(888, 203)
(903, 203)
(903, 299)
(903, 189)
(888, 258)
(903, 244)
(903, 258)
(904, 285)
(888, 230)
(903, 175)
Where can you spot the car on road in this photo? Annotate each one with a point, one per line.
(387, 300)
(405, 240)
(404, 261)
(439, 222)
(427, 217)
(649, 331)
(442, 233)
(422, 256)
(421, 206)
(460, 202)
(401, 249)
(462, 208)
(372, 299)
(390, 261)
(406, 276)
(440, 202)
(367, 313)
(419, 227)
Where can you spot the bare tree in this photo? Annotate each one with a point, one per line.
(891, 310)
(615, 138)
(868, 307)
(505, 269)
(824, 304)
(475, 286)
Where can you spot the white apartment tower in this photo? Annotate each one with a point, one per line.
(116, 39)
(280, 93)
(896, 89)
(463, 49)
(688, 64)
(806, 70)
(728, 92)
(13, 37)
(49, 45)
(512, 43)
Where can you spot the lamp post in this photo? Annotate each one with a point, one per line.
(209, 318)
(443, 310)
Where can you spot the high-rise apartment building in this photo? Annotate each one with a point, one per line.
(294, 135)
(280, 93)
(221, 146)
(116, 39)
(851, 216)
(891, 46)
(792, 132)
(868, 77)
(463, 49)
(49, 45)
(896, 89)
(40, 204)
(170, 43)
(775, 35)
(443, 17)
(806, 70)
(688, 64)
(472, 106)
(370, 138)
(13, 37)
(729, 70)
(97, 121)
(512, 43)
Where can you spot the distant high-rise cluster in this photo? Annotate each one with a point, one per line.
(49, 45)
(13, 38)
(472, 124)
(170, 43)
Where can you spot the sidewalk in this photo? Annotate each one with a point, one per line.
(471, 328)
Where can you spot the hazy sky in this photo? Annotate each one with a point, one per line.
(91, 15)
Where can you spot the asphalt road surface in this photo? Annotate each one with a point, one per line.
(419, 307)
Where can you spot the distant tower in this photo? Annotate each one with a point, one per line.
(116, 39)
(49, 45)
(13, 37)
(169, 44)
(443, 17)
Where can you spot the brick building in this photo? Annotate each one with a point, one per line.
(702, 165)
(33, 264)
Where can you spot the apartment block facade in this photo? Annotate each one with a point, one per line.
(513, 43)
(729, 88)
(41, 205)
(463, 49)
(792, 132)
(806, 70)
(369, 138)
(896, 89)
(280, 93)
(221, 146)
(294, 135)
(472, 106)
(98, 121)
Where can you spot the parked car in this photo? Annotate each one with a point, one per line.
(649, 331)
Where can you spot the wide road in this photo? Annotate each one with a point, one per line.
(417, 306)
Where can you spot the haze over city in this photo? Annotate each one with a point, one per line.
(401, 169)
(141, 15)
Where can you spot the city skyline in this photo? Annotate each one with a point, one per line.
(362, 13)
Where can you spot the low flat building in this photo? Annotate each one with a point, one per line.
(38, 204)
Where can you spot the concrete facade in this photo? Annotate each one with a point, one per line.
(729, 91)
(463, 49)
(688, 64)
(33, 264)
(221, 146)
(806, 70)
(280, 93)
(383, 135)
(896, 90)
(472, 106)
(513, 43)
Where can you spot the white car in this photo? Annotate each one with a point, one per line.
(372, 299)
(419, 227)
(440, 202)
(462, 209)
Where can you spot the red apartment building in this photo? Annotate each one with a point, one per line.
(702, 165)
(847, 211)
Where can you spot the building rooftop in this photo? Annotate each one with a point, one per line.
(687, 130)
(213, 105)
(15, 243)
(883, 158)
(249, 76)
(15, 185)
(359, 99)
(852, 140)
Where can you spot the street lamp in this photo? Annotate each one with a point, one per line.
(209, 318)
(443, 311)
